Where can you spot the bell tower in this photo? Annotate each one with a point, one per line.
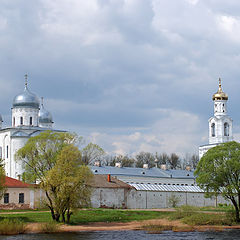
(220, 125)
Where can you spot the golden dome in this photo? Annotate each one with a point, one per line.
(220, 95)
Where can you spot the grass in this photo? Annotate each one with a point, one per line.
(11, 227)
(22, 210)
(49, 227)
(192, 216)
(206, 219)
(186, 214)
(90, 215)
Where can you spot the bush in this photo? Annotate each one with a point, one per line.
(49, 227)
(12, 227)
(156, 228)
(173, 201)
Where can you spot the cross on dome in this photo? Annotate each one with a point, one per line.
(26, 78)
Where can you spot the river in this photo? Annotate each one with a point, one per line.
(129, 235)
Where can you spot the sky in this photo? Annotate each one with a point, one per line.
(129, 75)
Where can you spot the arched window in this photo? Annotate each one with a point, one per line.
(30, 121)
(226, 129)
(21, 120)
(213, 129)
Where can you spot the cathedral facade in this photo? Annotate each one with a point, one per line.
(220, 125)
(29, 118)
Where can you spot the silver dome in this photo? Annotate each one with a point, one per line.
(44, 116)
(26, 99)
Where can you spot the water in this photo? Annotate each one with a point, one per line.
(130, 235)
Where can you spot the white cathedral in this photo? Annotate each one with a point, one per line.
(29, 118)
(220, 125)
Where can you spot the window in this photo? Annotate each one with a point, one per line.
(21, 120)
(6, 197)
(30, 121)
(226, 129)
(14, 121)
(213, 129)
(21, 197)
(7, 152)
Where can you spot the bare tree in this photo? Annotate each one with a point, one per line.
(174, 161)
(125, 160)
(194, 160)
(145, 158)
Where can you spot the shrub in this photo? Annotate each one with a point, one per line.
(156, 228)
(12, 227)
(173, 201)
(49, 227)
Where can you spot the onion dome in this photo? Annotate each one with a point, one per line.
(26, 99)
(220, 95)
(44, 116)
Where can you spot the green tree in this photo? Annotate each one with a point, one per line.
(67, 183)
(2, 179)
(218, 172)
(91, 153)
(40, 155)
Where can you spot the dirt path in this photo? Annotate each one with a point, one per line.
(134, 225)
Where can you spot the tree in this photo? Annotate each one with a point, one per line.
(91, 153)
(218, 172)
(67, 183)
(40, 155)
(123, 159)
(162, 158)
(174, 161)
(145, 158)
(194, 160)
(2, 179)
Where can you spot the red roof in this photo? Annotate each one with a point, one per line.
(14, 183)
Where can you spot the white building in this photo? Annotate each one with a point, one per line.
(220, 125)
(29, 118)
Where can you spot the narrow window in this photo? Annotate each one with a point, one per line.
(21, 197)
(14, 121)
(6, 197)
(30, 121)
(226, 129)
(7, 151)
(213, 129)
(21, 120)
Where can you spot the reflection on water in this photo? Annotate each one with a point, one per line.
(130, 235)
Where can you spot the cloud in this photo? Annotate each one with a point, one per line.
(175, 130)
(120, 70)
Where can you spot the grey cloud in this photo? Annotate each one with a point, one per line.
(117, 62)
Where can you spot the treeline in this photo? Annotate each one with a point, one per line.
(92, 153)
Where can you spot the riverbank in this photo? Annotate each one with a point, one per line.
(175, 225)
